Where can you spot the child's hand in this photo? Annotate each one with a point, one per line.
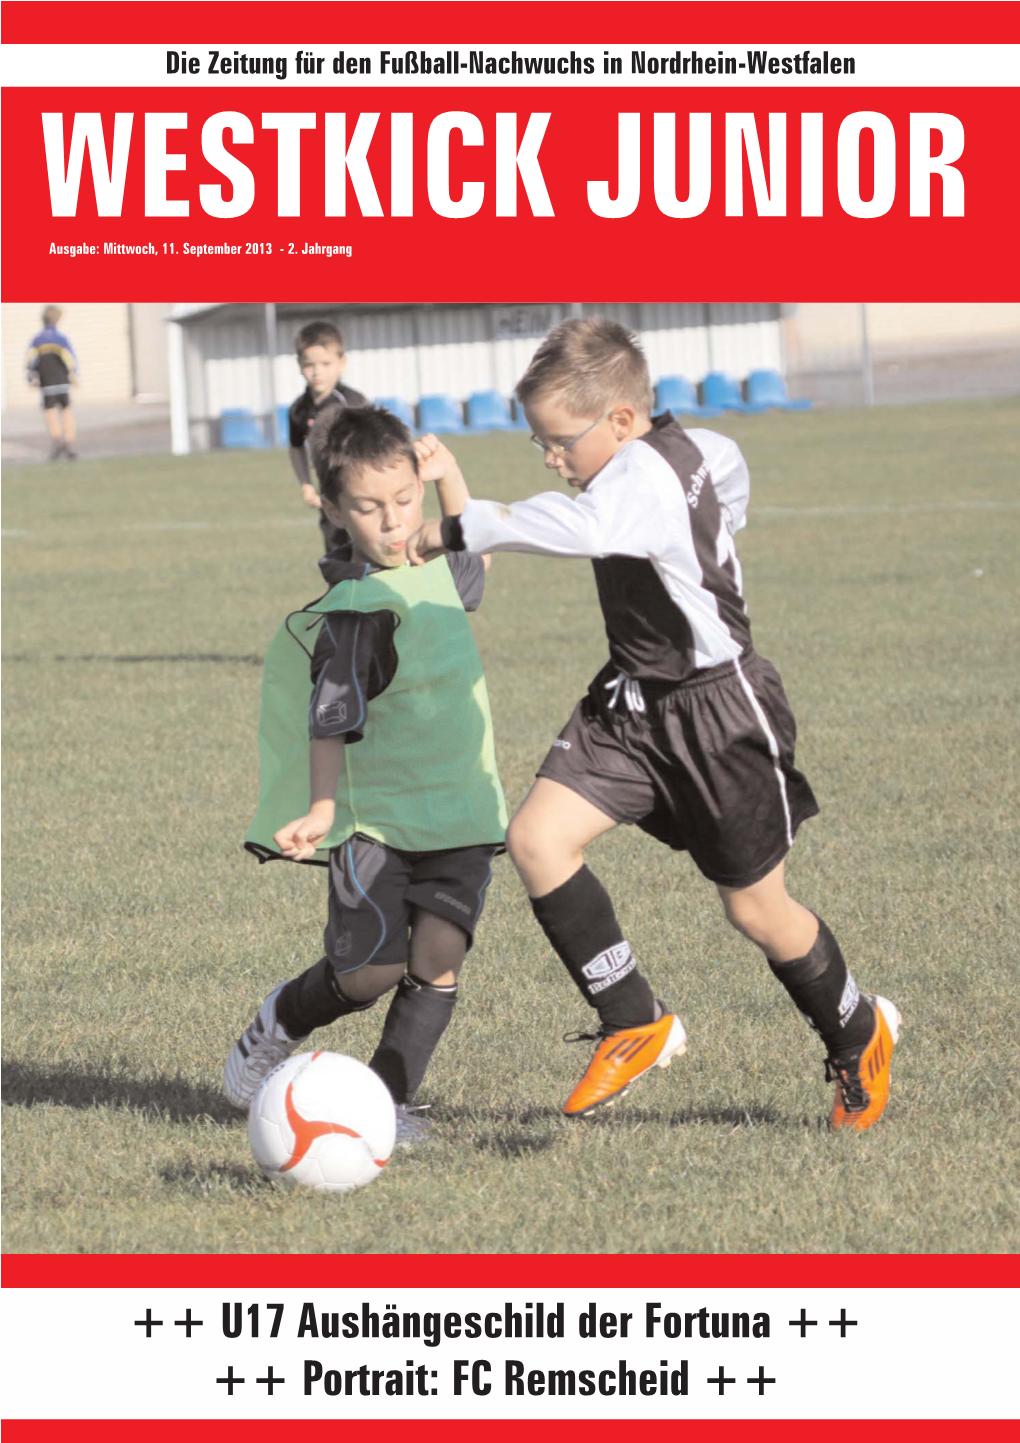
(310, 496)
(434, 459)
(299, 840)
(425, 544)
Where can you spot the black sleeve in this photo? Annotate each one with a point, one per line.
(451, 529)
(354, 660)
(297, 422)
(469, 577)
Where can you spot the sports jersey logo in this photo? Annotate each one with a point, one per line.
(697, 482)
(335, 711)
(343, 943)
(560, 742)
(453, 902)
(608, 967)
(848, 1002)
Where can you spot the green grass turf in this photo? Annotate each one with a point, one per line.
(881, 576)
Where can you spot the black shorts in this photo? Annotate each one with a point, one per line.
(56, 398)
(373, 888)
(707, 767)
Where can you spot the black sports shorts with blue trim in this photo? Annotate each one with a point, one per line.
(706, 767)
(372, 889)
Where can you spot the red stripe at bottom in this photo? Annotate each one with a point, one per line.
(500, 1430)
(536, 1272)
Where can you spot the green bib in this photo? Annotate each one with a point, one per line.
(423, 778)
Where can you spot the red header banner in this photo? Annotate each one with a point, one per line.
(845, 150)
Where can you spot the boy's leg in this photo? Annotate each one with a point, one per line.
(858, 1031)
(70, 431)
(294, 1009)
(546, 841)
(422, 1006)
(365, 940)
(51, 415)
(320, 996)
(365, 945)
(447, 895)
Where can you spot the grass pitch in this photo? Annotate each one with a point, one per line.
(880, 569)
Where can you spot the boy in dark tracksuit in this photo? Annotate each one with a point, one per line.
(686, 732)
(52, 365)
(322, 359)
(377, 761)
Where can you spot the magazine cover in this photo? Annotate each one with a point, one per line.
(510, 736)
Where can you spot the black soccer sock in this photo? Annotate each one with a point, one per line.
(580, 923)
(417, 1018)
(827, 995)
(314, 999)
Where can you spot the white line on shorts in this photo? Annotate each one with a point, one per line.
(773, 748)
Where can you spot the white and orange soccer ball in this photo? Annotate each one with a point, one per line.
(323, 1121)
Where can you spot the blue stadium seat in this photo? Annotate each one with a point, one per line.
(519, 421)
(488, 411)
(677, 394)
(283, 424)
(718, 389)
(403, 409)
(439, 413)
(767, 388)
(239, 430)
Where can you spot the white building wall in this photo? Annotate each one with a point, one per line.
(235, 368)
(383, 355)
(675, 337)
(457, 352)
(149, 339)
(744, 337)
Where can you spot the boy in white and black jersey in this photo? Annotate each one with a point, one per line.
(686, 732)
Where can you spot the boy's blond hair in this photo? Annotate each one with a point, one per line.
(589, 365)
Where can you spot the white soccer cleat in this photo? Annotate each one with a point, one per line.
(262, 1046)
(413, 1129)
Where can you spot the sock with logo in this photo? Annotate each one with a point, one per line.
(580, 923)
(417, 1018)
(827, 995)
(315, 999)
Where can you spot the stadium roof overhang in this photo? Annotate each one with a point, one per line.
(185, 314)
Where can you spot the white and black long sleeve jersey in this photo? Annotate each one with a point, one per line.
(658, 524)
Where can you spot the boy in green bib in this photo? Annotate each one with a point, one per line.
(377, 761)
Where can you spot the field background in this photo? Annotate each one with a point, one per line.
(881, 574)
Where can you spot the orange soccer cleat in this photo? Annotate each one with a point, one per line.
(621, 1058)
(862, 1078)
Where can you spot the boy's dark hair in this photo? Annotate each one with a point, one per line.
(51, 315)
(319, 333)
(590, 365)
(360, 436)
